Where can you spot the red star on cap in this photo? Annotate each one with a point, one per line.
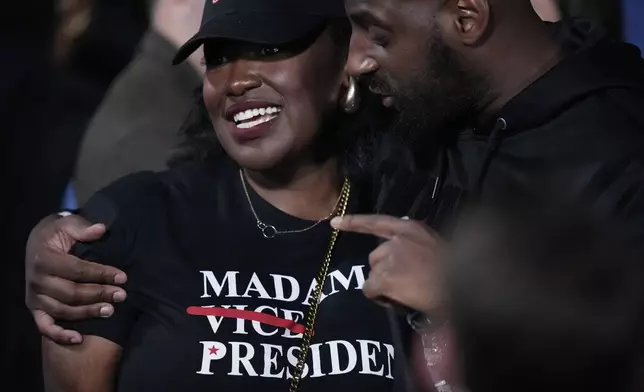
(213, 350)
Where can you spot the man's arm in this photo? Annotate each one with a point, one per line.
(67, 287)
(406, 273)
(88, 367)
(405, 270)
(61, 286)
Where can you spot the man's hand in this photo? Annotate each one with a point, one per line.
(61, 286)
(404, 268)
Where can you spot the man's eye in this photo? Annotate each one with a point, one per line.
(379, 37)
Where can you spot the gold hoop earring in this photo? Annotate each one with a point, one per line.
(351, 100)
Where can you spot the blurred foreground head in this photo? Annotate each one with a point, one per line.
(546, 296)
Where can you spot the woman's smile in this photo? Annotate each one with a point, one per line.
(252, 119)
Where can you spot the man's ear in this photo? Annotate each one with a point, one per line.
(465, 21)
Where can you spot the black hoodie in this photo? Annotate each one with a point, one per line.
(581, 123)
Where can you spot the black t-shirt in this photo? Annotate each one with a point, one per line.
(210, 299)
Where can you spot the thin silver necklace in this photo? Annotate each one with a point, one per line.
(270, 231)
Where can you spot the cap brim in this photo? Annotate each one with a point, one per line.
(259, 28)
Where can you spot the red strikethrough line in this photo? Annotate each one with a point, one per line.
(248, 315)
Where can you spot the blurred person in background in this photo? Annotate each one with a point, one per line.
(545, 295)
(96, 40)
(607, 13)
(52, 54)
(74, 17)
(138, 122)
(93, 40)
(633, 26)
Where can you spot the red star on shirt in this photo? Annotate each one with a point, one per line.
(213, 350)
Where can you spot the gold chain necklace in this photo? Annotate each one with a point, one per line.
(320, 278)
(270, 231)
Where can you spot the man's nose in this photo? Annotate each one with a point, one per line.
(358, 62)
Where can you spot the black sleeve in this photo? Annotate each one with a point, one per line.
(122, 207)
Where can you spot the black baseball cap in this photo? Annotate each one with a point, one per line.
(264, 22)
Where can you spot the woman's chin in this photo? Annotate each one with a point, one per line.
(258, 162)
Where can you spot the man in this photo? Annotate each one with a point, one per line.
(508, 100)
(486, 95)
(137, 125)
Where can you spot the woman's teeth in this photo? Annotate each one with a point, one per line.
(248, 118)
(254, 123)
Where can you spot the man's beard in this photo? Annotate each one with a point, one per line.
(433, 106)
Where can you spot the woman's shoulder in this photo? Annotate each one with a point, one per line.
(186, 175)
(124, 207)
(131, 187)
(149, 190)
(138, 205)
(198, 178)
(123, 199)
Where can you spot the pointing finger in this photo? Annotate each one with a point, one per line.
(382, 226)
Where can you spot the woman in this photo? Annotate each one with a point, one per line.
(224, 254)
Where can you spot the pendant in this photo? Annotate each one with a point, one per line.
(268, 231)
